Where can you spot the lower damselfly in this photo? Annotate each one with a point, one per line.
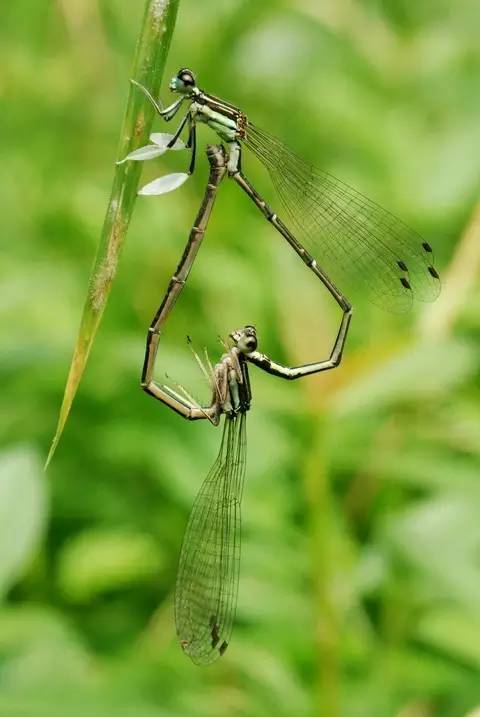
(208, 572)
(352, 241)
(207, 580)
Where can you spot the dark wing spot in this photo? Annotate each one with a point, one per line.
(223, 647)
(402, 265)
(427, 246)
(433, 272)
(215, 635)
(405, 283)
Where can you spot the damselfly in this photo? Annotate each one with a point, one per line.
(207, 581)
(354, 241)
(208, 572)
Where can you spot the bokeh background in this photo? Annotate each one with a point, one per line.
(360, 578)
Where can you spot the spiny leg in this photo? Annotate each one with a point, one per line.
(183, 405)
(192, 145)
(167, 113)
(179, 131)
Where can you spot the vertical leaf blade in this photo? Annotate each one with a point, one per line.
(149, 64)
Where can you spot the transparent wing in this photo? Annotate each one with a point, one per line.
(355, 241)
(207, 581)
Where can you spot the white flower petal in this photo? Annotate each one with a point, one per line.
(150, 151)
(161, 139)
(165, 184)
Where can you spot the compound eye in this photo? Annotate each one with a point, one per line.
(187, 78)
(251, 343)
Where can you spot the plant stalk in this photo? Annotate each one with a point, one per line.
(148, 68)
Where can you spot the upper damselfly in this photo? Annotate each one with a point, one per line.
(353, 241)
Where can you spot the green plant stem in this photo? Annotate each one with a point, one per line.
(321, 517)
(149, 65)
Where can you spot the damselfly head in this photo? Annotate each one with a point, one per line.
(245, 339)
(184, 82)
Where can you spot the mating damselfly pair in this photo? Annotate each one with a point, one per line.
(207, 581)
(355, 241)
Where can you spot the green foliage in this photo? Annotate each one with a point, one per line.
(97, 561)
(360, 573)
(23, 502)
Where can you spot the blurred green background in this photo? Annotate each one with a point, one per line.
(360, 578)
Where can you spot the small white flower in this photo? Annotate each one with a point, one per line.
(163, 185)
(150, 151)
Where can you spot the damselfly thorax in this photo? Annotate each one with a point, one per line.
(230, 380)
(228, 121)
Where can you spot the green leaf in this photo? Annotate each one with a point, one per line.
(423, 372)
(98, 561)
(441, 538)
(23, 509)
(454, 631)
(151, 55)
(40, 647)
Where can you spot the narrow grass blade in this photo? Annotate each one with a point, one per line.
(150, 57)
